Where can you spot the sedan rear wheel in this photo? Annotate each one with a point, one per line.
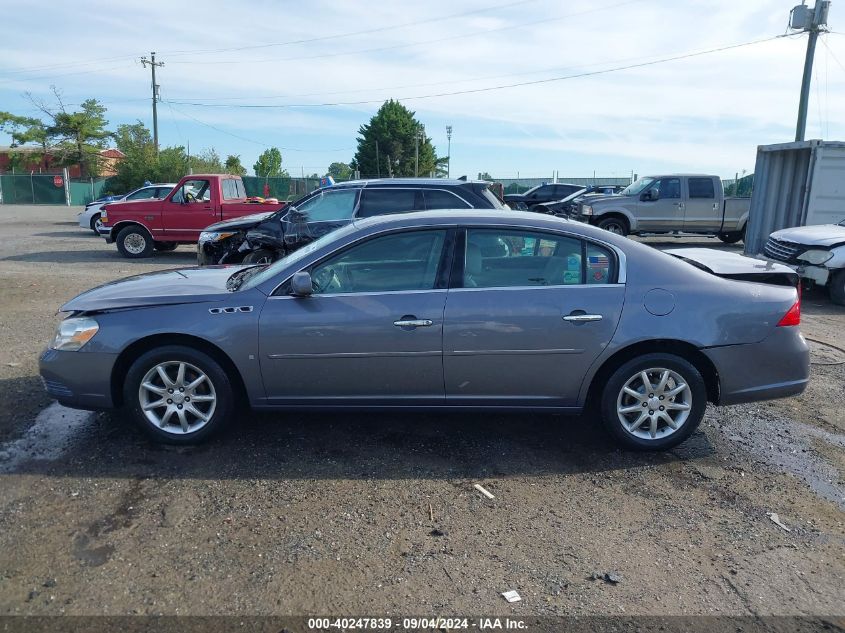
(178, 395)
(654, 402)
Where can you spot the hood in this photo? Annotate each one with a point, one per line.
(600, 199)
(186, 285)
(243, 222)
(820, 235)
(125, 204)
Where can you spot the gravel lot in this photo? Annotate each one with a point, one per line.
(376, 513)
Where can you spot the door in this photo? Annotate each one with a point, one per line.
(703, 211)
(531, 312)
(661, 207)
(189, 210)
(372, 332)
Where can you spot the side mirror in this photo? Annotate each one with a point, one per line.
(651, 194)
(300, 284)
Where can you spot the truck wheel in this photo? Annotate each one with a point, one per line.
(836, 285)
(615, 225)
(135, 242)
(733, 237)
(96, 223)
(166, 246)
(259, 256)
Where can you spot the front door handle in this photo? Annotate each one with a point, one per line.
(582, 318)
(411, 322)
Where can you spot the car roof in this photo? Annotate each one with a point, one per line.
(451, 217)
(424, 182)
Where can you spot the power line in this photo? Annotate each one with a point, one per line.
(489, 88)
(393, 47)
(249, 140)
(380, 29)
(181, 53)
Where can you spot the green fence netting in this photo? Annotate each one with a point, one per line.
(281, 188)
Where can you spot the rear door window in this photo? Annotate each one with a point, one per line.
(441, 199)
(383, 201)
(701, 188)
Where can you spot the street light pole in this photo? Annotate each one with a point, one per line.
(420, 135)
(449, 151)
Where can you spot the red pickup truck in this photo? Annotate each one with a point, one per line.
(140, 227)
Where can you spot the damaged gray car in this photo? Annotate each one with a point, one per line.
(456, 309)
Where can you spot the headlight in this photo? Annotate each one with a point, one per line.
(215, 236)
(815, 256)
(73, 333)
(586, 210)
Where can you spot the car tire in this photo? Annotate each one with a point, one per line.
(135, 242)
(96, 224)
(163, 247)
(179, 419)
(836, 286)
(259, 256)
(666, 373)
(615, 225)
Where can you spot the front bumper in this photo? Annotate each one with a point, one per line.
(80, 380)
(776, 367)
(105, 232)
(818, 274)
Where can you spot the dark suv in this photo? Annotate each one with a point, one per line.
(265, 237)
(540, 194)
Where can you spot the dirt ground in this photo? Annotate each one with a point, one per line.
(377, 514)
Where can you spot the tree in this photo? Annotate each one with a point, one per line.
(394, 130)
(233, 165)
(340, 171)
(140, 162)
(24, 131)
(207, 162)
(269, 164)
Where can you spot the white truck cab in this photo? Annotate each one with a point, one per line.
(816, 253)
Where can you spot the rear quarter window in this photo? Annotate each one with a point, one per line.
(701, 188)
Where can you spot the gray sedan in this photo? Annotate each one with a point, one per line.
(445, 309)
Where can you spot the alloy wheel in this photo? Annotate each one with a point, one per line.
(177, 397)
(654, 403)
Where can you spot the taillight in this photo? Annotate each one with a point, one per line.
(793, 315)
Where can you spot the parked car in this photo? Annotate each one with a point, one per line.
(541, 194)
(90, 217)
(263, 238)
(567, 205)
(688, 203)
(816, 253)
(405, 310)
(140, 226)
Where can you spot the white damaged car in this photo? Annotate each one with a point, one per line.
(816, 253)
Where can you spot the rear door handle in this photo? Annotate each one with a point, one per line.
(411, 323)
(582, 318)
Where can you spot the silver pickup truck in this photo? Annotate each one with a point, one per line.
(683, 203)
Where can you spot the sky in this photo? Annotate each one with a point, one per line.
(597, 96)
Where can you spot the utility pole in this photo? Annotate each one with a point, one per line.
(417, 138)
(449, 151)
(812, 21)
(153, 63)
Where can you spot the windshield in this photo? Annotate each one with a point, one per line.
(276, 267)
(636, 187)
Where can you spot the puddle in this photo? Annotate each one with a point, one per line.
(785, 445)
(46, 439)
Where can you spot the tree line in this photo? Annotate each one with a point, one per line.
(392, 144)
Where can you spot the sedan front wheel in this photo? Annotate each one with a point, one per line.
(654, 402)
(178, 394)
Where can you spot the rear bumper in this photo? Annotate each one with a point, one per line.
(80, 380)
(776, 367)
